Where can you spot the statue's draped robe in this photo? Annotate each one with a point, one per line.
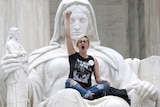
(49, 68)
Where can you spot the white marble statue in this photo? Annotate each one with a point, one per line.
(16, 82)
(12, 44)
(48, 67)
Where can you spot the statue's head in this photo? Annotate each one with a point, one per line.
(13, 33)
(82, 21)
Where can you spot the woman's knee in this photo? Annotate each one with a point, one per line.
(105, 86)
(70, 82)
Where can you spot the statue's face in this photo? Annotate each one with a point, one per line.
(17, 34)
(78, 23)
(14, 33)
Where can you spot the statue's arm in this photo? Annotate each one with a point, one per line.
(36, 85)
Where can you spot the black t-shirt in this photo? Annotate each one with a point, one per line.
(81, 69)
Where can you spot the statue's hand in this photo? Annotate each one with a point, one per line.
(10, 63)
(146, 89)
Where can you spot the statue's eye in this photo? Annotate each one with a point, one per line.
(82, 20)
(72, 20)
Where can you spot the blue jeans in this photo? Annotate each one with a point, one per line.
(100, 88)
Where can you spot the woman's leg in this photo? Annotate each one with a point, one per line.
(70, 83)
(100, 89)
(119, 93)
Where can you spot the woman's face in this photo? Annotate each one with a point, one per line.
(83, 44)
(78, 23)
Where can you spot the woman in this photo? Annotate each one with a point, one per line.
(82, 66)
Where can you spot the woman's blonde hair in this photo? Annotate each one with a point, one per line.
(81, 36)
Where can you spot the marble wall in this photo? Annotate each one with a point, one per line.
(131, 27)
(144, 28)
(152, 27)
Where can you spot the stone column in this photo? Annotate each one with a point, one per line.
(152, 27)
(136, 28)
(1, 26)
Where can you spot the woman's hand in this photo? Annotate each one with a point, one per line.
(106, 81)
(68, 14)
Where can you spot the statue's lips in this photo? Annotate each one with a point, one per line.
(77, 33)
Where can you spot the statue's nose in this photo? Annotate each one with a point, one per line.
(77, 26)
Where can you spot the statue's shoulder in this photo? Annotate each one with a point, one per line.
(39, 56)
(108, 50)
(40, 52)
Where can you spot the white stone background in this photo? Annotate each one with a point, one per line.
(131, 27)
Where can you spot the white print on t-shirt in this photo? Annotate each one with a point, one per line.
(82, 70)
